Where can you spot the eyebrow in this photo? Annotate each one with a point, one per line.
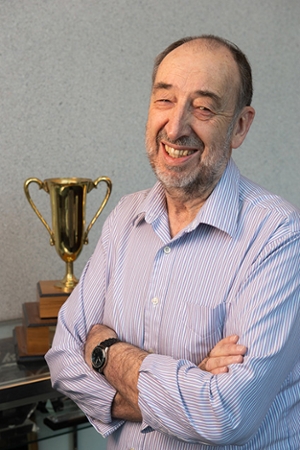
(199, 93)
(161, 85)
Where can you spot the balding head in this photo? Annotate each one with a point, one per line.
(245, 90)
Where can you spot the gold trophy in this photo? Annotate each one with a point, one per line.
(68, 235)
(68, 206)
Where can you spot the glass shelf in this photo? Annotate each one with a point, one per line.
(30, 409)
(38, 426)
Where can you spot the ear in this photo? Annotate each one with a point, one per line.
(242, 126)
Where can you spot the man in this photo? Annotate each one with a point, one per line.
(204, 255)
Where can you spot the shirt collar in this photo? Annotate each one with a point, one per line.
(153, 206)
(220, 209)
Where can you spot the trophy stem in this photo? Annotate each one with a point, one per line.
(69, 281)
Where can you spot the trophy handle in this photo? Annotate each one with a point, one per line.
(108, 192)
(33, 206)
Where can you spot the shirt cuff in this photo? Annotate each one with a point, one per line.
(147, 384)
(103, 428)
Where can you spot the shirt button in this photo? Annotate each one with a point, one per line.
(155, 301)
(167, 250)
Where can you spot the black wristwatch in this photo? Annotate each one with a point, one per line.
(99, 354)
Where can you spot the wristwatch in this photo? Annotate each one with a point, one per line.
(99, 355)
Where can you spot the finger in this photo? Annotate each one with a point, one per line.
(228, 350)
(228, 347)
(219, 370)
(223, 344)
(232, 339)
(217, 363)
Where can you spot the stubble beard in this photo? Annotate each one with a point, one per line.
(200, 181)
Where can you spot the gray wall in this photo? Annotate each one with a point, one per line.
(74, 88)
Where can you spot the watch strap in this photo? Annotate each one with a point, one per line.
(109, 342)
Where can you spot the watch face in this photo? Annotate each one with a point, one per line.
(98, 357)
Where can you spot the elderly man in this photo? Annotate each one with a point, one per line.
(202, 258)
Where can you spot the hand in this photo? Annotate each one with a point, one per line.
(226, 352)
(98, 333)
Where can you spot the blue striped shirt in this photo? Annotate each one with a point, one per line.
(233, 270)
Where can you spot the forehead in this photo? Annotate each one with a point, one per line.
(197, 66)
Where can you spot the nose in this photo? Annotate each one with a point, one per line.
(178, 122)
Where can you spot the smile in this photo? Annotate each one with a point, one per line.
(175, 153)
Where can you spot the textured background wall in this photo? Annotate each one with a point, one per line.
(74, 88)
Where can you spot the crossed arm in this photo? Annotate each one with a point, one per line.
(122, 369)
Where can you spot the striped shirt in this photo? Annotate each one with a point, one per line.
(234, 270)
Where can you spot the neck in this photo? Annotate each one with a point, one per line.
(182, 209)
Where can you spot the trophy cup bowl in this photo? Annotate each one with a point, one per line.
(68, 208)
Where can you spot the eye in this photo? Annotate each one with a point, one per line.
(163, 103)
(162, 100)
(203, 112)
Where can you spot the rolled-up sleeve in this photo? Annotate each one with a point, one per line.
(69, 372)
(178, 399)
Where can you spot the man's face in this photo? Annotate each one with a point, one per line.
(190, 120)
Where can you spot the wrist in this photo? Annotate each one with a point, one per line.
(100, 354)
(124, 360)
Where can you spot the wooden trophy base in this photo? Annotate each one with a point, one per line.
(34, 338)
(50, 298)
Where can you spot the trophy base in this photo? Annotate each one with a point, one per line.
(50, 298)
(34, 337)
(66, 286)
(22, 356)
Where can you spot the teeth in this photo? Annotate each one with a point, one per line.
(177, 153)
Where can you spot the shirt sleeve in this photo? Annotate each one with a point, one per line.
(177, 398)
(69, 372)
